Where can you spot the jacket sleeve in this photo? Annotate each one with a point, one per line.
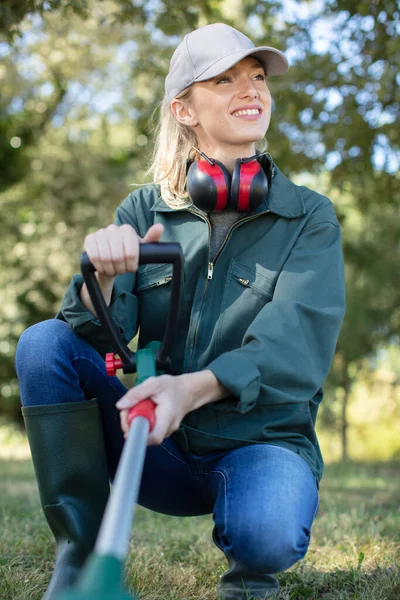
(123, 306)
(287, 351)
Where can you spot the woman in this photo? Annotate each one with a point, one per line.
(262, 304)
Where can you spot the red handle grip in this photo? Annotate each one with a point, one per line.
(145, 408)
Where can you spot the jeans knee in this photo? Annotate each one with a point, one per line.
(37, 343)
(267, 553)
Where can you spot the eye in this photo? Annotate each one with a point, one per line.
(260, 77)
(223, 79)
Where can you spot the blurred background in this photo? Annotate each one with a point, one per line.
(80, 83)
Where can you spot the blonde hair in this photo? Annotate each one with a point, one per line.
(172, 148)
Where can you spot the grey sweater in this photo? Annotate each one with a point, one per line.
(221, 222)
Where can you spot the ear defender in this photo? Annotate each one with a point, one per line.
(211, 187)
(208, 184)
(249, 185)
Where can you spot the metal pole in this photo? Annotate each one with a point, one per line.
(115, 530)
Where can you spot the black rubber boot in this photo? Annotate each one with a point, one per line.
(240, 584)
(67, 447)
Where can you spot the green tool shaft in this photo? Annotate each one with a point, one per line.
(115, 530)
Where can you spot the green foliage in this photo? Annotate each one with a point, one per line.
(13, 13)
(81, 82)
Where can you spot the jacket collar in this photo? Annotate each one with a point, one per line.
(284, 199)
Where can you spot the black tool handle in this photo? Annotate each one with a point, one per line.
(155, 252)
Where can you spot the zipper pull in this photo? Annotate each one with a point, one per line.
(210, 270)
(243, 281)
(165, 280)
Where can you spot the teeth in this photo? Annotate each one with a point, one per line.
(249, 111)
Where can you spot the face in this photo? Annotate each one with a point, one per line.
(231, 111)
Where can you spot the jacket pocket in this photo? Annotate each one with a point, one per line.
(247, 290)
(258, 290)
(153, 290)
(153, 276)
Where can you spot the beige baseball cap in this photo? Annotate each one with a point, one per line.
(210, 50)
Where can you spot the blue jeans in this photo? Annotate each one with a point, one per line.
(263, 498)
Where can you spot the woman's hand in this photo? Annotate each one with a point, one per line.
(175, 396)
(115, 249)
(173, 399)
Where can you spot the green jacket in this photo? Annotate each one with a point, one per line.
(264, 318)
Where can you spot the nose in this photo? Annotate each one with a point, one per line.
(248, 89)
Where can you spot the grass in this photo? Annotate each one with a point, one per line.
(354, 552)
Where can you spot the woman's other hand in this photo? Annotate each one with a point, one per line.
(173, 401)
(175, 396)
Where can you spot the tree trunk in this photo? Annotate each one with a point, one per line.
(346, 387)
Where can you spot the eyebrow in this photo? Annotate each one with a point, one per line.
(256, 65)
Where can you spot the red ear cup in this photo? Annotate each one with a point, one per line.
(208, 185)
(249, 186)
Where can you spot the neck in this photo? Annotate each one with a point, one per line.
(228, 155)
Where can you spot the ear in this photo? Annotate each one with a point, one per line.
(183, 113)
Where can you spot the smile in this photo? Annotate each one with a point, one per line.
(250, 112)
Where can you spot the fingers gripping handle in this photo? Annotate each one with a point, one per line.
(145, 408)
(155, 252)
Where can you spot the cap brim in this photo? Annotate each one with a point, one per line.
(273, 61)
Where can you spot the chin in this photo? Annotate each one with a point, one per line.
(250, 137)
(246, 140)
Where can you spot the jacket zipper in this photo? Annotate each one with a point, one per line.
(165, 280)
(156, 283)
(211, 265)
(244, 282)
(209, 276)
